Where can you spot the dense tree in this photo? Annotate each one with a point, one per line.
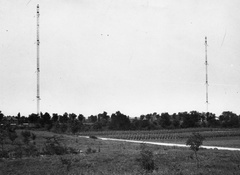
(55, 117)
(22, 120)
(229, 119)
(64, 118)
(119, 121)
(33, 118)
(175, 120)
(72, 116)
(103, 119)
(92, 118)
(18, 116)
(192, 119)
(76, 126)
(81, 118)
(1, 116)
(45, 119)
(164, 120)
(211, 120)
(136, 124)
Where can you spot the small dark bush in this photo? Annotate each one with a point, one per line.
(93, 137)
(53, 146)
(12, 136)
(146, 158)
(90, 150)
(26, 136)
(31, 150)
(195, 141)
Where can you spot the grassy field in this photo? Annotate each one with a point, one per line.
(110, 157)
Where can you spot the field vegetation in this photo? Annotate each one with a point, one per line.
(51, 145)
(94, 156)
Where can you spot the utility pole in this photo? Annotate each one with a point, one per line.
(206, 64)
(38, 66)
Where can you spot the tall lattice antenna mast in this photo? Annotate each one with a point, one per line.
(38, 66)
(206, 63)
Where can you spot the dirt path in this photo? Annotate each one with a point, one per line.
(167, 144)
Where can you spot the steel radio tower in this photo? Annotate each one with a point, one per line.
(206, 63)
(38, 66)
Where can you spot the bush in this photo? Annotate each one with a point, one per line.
(12, 136)
(30, 150)
(53, 146)
(26, 136)
(90, 150)
(93, 137)
(146, 158)
(195, 141)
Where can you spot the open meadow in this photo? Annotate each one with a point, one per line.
(95, 156)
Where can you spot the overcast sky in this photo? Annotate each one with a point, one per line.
(133, 56)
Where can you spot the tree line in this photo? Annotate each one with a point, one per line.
(118, 121)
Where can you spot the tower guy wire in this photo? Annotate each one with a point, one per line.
(206, 64)
(38, 65)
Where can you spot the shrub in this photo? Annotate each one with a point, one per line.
(53, 146)
(90, 150)
(26, 136)
(93, 137)
(146, 158)
(195, 141)
(12, 136)
(31, 150)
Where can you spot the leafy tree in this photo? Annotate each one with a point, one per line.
(164, 120)
(55, 117)
(103, 119)
(81, 118)
(136, 124)
(211, 119)
(142, 117)
(33, 118)
(63, 118)
(72, 116)
(229, 119)
(175, 120)
(1, 116)
(18, 116)
(76, 126)
(22, 120)
(190, 120)
(45, 119)
(195, 141)
(119, 121)
(92, 118)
